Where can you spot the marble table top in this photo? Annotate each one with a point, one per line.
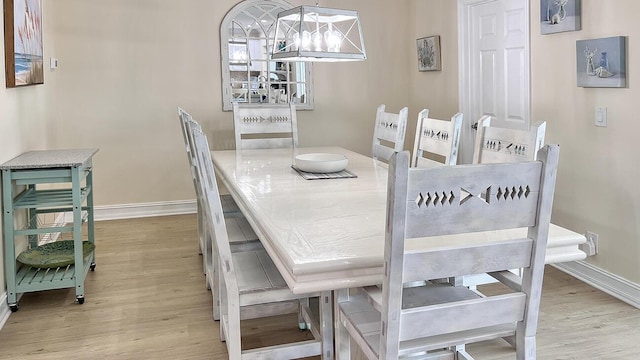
(42, 159)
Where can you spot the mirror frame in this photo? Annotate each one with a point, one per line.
(225, 39)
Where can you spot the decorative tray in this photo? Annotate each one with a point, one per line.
(344, 174)
(53, 255)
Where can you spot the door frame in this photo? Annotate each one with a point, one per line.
(465, 72)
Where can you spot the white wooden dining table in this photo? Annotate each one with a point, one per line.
(328, 234)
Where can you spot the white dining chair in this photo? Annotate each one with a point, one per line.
(495, 144)
(241, 235)
(429, 212)
(437, 141)
(251, 286)
(228, 204)
(388, 133)
(265, 126)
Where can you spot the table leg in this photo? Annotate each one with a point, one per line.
(342, 337)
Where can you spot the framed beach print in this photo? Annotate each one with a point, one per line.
(602, 62)
(559, 15)
(23, 42)
(429, 53)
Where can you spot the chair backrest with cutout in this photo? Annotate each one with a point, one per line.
(494, 144)
(388, 133)
(265, 127)
(436, 137)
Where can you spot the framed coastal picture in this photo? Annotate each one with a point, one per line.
(429, 53)
(23, 42)
(559, 15)
(602, 62)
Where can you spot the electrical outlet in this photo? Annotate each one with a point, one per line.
(592, 240)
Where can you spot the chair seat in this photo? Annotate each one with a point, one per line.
(430, 294)
(241, 235)
(361, 312)
(229, 206)
(259, 281)
(256, 272)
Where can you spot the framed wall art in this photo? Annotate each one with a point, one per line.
(601, 62)
(23, 42)
(559, 15)
(429, 53)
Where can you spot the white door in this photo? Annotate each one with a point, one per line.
(494, 65)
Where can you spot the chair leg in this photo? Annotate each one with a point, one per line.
(221, 307)
(230, 320)
(526, 347)
(216, 291)
(326, 324)
(302, 323)
(200, 226)
(462, 354)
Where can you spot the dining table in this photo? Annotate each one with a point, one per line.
(328, 233)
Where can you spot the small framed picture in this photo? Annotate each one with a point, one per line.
(559, 16)
(429, 53)
(601, 62)
(24, 64)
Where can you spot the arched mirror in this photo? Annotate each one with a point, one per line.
(248, 74)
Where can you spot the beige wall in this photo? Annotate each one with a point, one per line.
(433, 90)
(125, 66)
(596, 187)
(598, 174)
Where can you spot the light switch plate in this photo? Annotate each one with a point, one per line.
(601, 116)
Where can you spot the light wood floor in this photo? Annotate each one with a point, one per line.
(147, 300)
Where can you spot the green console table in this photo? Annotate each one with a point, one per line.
(25, 193)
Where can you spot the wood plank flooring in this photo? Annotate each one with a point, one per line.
(147, 300)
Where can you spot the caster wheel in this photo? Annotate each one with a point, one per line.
(14, 307)
(80, 300)
(92, 267)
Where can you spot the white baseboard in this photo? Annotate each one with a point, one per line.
(131, 211)
(4, 309)
(611, 284)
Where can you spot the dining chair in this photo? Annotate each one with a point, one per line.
(495, 144)
(436, 140)
(241, 235)
(228, 204)
(251, 286)
(388, 133)
(429, 212)
(266, 126)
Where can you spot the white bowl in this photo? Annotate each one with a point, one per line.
(321, 162)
